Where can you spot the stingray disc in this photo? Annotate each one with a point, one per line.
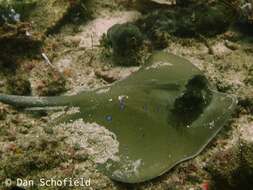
(163, 114)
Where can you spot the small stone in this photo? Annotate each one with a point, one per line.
(147, 5)
(107, 76)
(231, 45)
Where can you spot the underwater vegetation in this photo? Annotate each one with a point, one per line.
(25, 23)
(14, 38)
(51, 83)
(13, 11)
(188, 20)
(127, 43)
(144, 107)
(24, 26)
(185, 19)
(192, 102)
(49, 16)
(44, 15)
(232, 168)
(18, 85)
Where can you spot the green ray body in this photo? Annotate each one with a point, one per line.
(138, 110)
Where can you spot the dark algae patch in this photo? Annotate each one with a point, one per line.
(127, 43)
(192, 20)
(192, 102)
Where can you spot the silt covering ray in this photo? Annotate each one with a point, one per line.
(163, 114)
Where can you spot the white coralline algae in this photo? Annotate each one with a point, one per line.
(100, 144)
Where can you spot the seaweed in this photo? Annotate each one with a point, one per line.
(13, 11)
(14, 39)
(192, 102)
(19, 85)
(127, 42)
(188, 21)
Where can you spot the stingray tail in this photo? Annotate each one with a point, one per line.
(31, 101)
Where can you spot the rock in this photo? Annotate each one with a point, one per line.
(221, 167)
(14, 39)
(247, 104)
(23, 24)
(147, 5)
(232, 168)
(187, 2)
(165, 2)
(45, 15)
(231, 45)
(15, 33)
(21, 165)
(193, 21)
(51, 83)
(13, 11)
(249, 78)
(19, 85)
(247, 11)
(49, 15)
(110, 78)
(114, 74)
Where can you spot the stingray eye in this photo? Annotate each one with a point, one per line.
(188, 106)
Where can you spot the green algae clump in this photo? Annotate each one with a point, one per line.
(126, 41)
(193, 101)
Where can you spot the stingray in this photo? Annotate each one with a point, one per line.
(163, 114)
